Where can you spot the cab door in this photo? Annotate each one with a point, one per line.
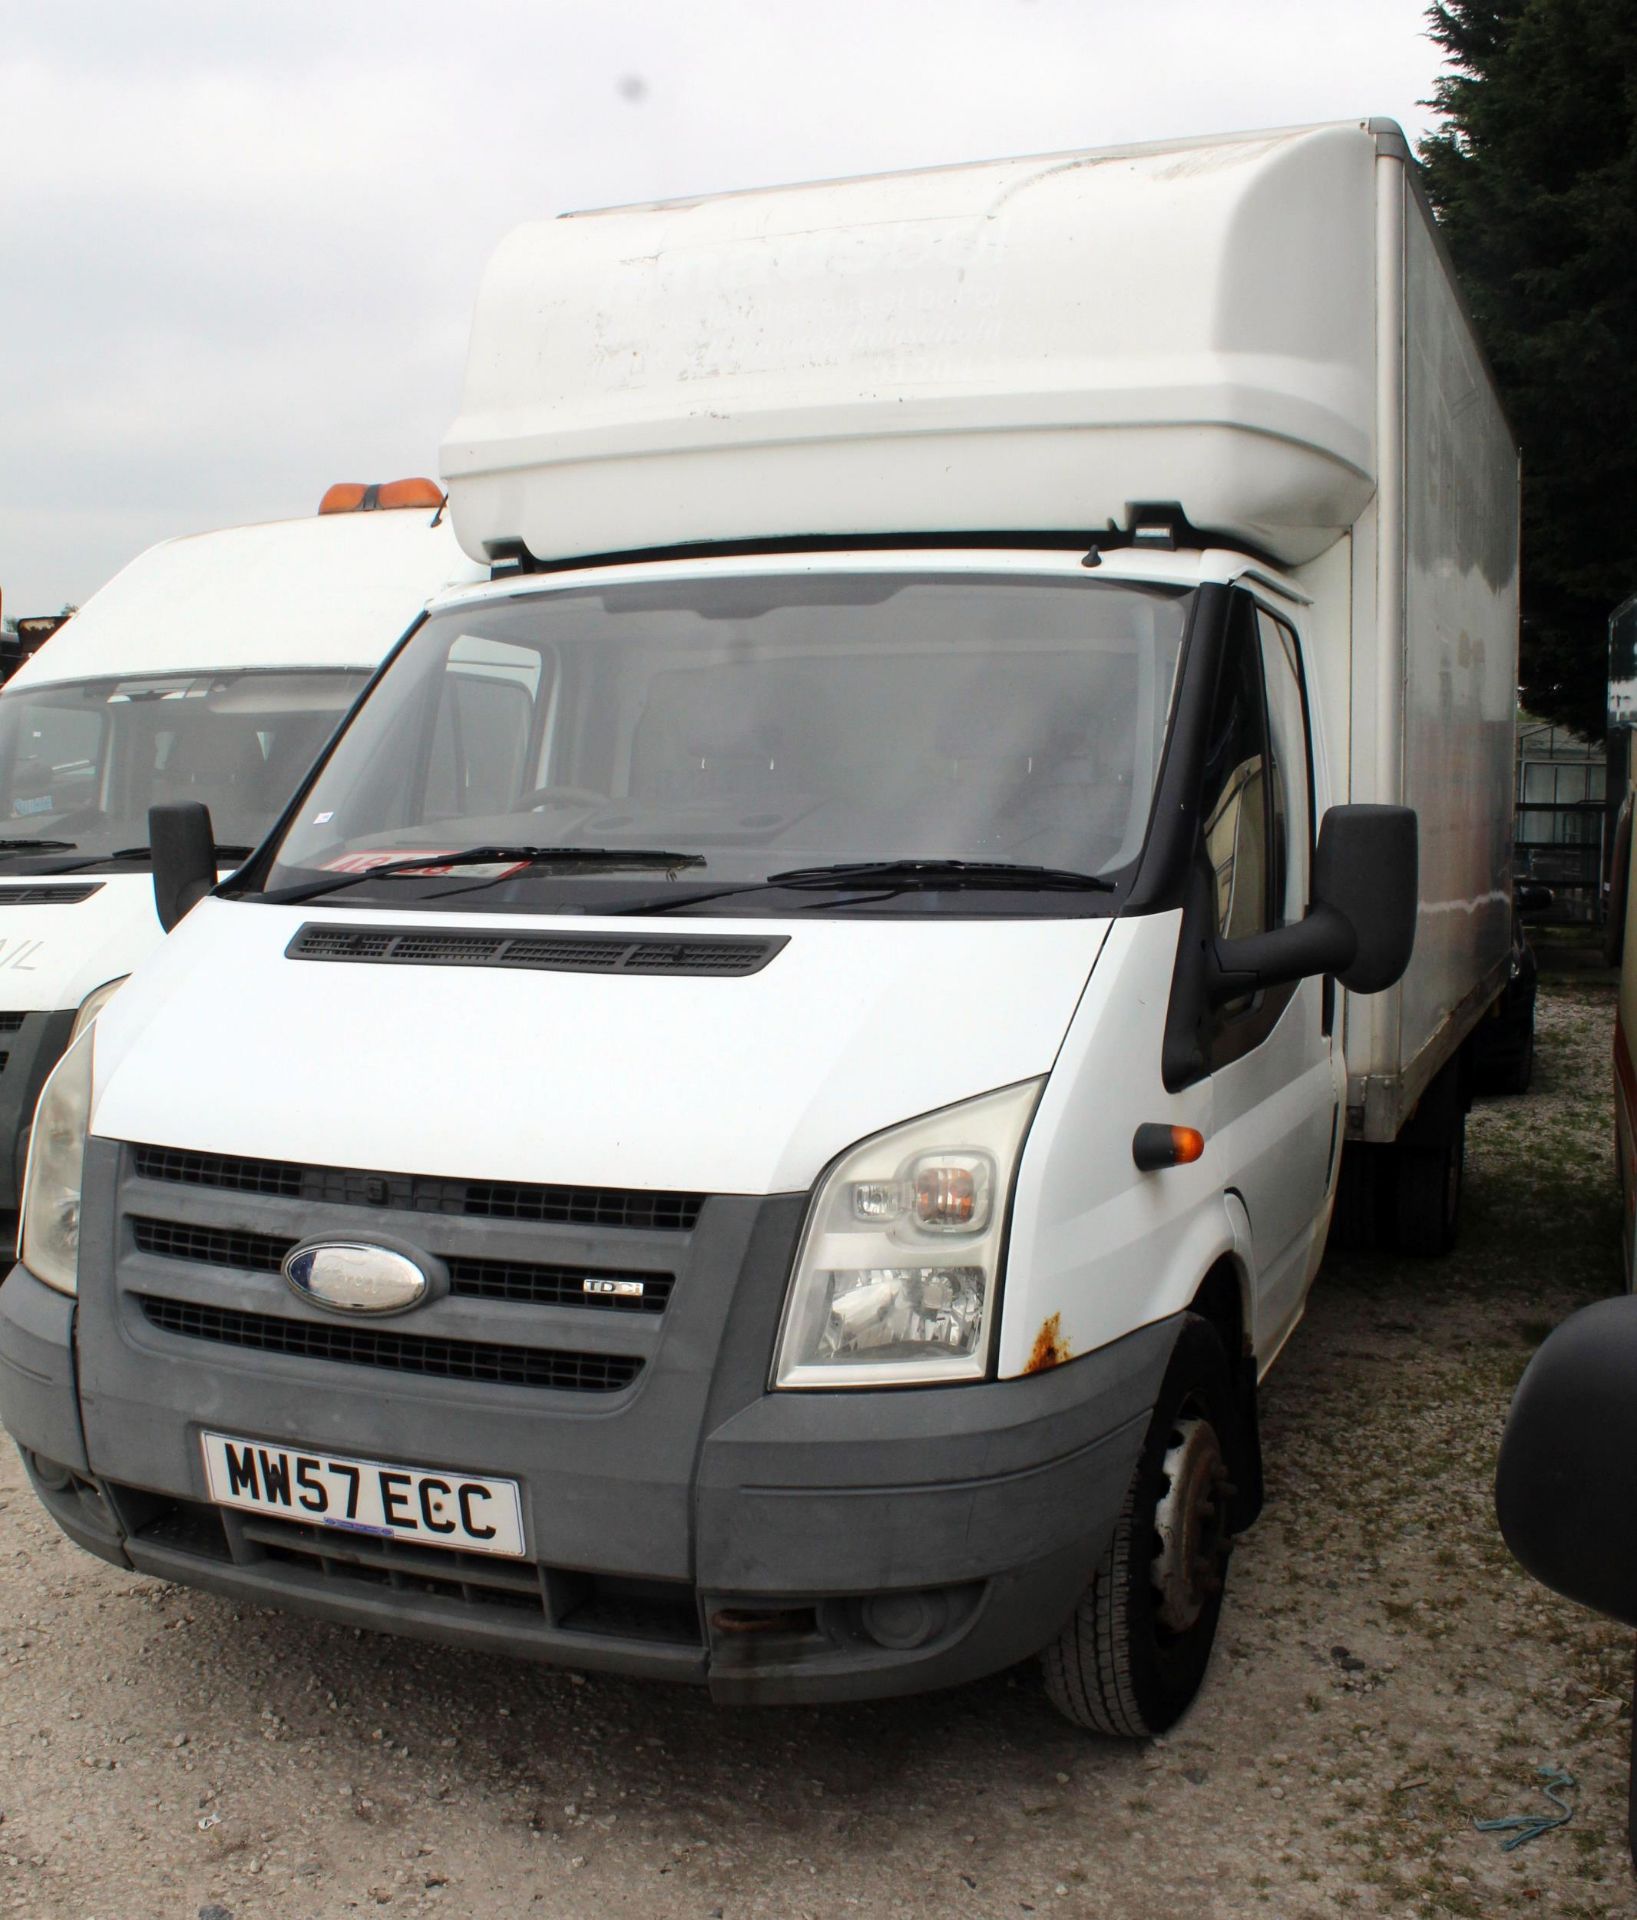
(1276, 1077)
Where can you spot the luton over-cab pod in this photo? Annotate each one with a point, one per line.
(1021, 345)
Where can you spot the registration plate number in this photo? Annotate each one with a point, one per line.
(431, 1508)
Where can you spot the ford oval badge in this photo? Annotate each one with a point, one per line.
(352, 1277)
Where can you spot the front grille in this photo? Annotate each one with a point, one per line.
(726, 956)
(224, 1170)
(641, 1209)
(211, 1246)
(12, 1022)
(483, 1361)
(528, 1282)
(28, 895)
(558, 1286)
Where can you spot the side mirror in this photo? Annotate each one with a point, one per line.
(1531, 899)
(183, 844)
(1566, 1484)
(1567, 1476)
(1361, 925)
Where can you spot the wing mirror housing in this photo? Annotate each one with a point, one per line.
(183, 845)
(1566, 1482)
(1361, 924)
(1531, 899)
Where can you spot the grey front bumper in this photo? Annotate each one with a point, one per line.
(694, 1526)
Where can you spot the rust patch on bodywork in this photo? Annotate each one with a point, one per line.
(1050, 1348)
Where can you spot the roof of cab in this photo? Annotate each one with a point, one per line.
(335, 591)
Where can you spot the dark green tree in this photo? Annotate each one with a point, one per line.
(1533, 174)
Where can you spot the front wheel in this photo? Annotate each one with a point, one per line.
(1134, 1652)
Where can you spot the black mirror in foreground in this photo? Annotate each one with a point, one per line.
(183, 844)
(1361, 925)
(1566, 1485)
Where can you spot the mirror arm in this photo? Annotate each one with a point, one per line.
(1321, 942)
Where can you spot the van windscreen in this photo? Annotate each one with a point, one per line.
(760, 723)
(81, 762)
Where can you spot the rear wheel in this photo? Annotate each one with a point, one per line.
(1424, 1170)
(1135, 1650)
(1520, 1069)
(1505, 1061)
(1355, 1220)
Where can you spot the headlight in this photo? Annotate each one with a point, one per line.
(56, 1157)
(93, 1004)
(899, 1265)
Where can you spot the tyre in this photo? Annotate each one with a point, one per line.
(1421, 1189)
(1515, 1074)
(1426, 1193)
(1355, 1218)
(1506, 1061)
(1133, 1653)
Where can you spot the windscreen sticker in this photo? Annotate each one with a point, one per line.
(379, 856)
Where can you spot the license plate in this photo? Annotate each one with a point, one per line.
(432, 1508)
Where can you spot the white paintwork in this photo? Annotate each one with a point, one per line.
(1094, 1242)
(1460, 585)
(52, 957)
(1421, 705)
(1018, 344)
(745, 1085)
(329, 591)
(1098, 1247)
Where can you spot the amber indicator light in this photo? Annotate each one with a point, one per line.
(1154, 1146)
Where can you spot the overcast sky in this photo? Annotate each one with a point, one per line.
(239, 240)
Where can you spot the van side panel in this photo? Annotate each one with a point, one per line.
(1461, 626)
(1444, 659)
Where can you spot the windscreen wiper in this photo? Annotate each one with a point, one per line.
(601, 859)
(901, 874)
(892, 876)
(38, 846)
(146, 853)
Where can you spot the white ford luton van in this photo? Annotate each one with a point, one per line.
(806, 1029)
(212, 668)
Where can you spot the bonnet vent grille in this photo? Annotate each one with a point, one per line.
(543, 952)
(21, 895)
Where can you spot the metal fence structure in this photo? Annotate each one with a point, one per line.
(1561, 817)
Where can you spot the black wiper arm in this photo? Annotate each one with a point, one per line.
(941, 873)
(890, 876)
(230, 852)
(38, 846)
(608, 859)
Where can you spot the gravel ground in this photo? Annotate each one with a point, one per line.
(1384, 1675)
